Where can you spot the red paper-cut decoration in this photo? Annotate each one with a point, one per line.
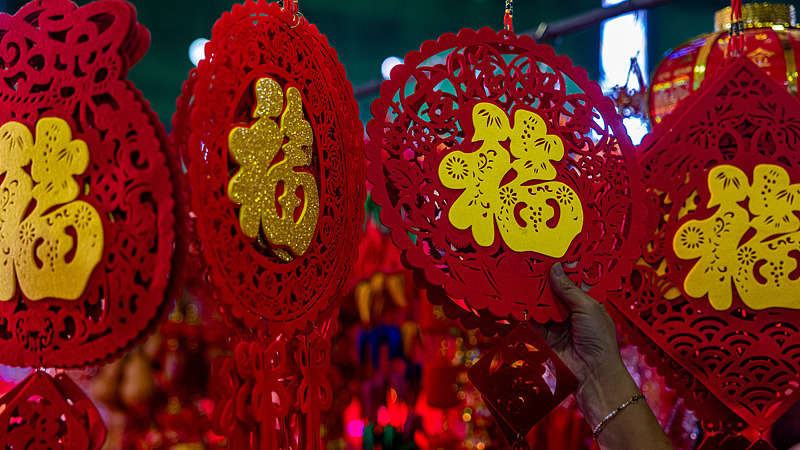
(438, 377)
(83, 408)
(761, 444)
(42, 412)
(254, 48)
(314, 394)
(722, 441)
(712, 442)
(522, 379)
(714, 291)
(485, 226)
(695, 395)
(254, 394)
(64, 69)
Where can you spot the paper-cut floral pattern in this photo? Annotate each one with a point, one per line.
(759, 266)
(272, 188)
(464, 151)
(539, 217)
(49, 242)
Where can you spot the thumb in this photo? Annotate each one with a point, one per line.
(577, 300)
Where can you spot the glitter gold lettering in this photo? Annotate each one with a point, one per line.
(273, 186)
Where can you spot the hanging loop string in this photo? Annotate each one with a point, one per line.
(508, 19)
(291, 6)
(736, 34)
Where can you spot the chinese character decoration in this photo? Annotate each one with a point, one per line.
(489, 169)
(268, 129)
(712, 300)
(87, 216)
(492, 158)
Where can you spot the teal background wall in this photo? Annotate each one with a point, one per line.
(364, 32)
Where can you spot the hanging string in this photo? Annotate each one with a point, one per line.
(736, 37)
(508, 19)
(293, 7)
(290, 5)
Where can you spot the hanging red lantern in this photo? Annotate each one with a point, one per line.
(771, 41)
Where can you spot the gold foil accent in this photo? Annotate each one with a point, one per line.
(702, 59)
(791, 63)
(276, 191)
(49, 242)
(758, 15)
(761, 57)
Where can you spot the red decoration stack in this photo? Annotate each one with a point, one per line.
(280, 290)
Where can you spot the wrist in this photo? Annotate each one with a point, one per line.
(603, 390)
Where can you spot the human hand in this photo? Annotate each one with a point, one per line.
(587, 343)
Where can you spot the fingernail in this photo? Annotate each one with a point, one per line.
(558, 271)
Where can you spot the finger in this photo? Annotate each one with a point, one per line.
(540, 329)
(576, 299)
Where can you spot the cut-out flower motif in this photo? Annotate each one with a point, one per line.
(273, 185)
(508, 196)
(456, 168)
(692, 237)
(489, 197)
(717, 242)
(42, 270)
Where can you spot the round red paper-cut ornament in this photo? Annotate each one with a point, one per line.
(771, 40)
(275, 160)
(492, 159)
(86, 209)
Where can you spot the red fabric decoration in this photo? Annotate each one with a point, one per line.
(439, 377)
(521, 380)
(314, 394)
(254, 394)
(67, 66)
(376, 254)
(761, 445)
(434, 122)
(42, 412)
(721, 441)
(713, 299)
(255, 279)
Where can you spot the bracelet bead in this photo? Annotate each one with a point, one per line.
(611, 415)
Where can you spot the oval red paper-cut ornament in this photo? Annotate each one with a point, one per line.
(275, 160)
(86, 209)
(493, 158)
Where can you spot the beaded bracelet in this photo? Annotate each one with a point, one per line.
(608, 418)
